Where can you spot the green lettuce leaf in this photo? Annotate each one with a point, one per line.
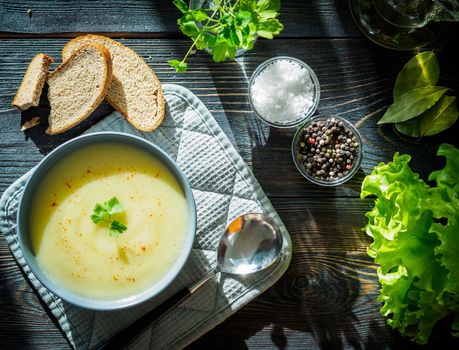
(449, 176)
(415, 231)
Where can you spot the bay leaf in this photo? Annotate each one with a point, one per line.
(440, 117)
(410, 127)
(422, 70)
(412, 103)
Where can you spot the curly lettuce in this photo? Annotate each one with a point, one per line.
(415, 231)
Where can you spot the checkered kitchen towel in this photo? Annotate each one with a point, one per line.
(223, 187)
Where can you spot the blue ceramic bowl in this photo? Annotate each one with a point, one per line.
(25, 207)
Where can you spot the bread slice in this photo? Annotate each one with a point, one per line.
(135, 90)
(78, 86)
(29, 91)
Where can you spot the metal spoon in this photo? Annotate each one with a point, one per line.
(251, 243)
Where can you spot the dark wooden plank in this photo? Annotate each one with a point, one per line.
(327, 297)
(301, 18)
(356, 82)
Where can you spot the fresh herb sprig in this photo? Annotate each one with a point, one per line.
(227, 27)
(420, 107)
(104, 212)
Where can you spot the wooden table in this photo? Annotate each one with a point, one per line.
(327, 298)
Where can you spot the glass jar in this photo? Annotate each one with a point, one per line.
(304, 114)
(300, 165)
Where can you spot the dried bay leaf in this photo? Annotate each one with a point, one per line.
(440, 117)
(422, 70)
(412, 103)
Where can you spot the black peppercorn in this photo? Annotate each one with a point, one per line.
(327, 149)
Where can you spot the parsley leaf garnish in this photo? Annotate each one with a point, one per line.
(104, 212)
(99, 214)
(113, 206)
(116, 228)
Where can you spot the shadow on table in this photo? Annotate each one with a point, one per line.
(46, 143)
(324, 282)
(11, 299)
(327, 298)
(320, 299)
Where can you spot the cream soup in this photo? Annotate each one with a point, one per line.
(81, 255)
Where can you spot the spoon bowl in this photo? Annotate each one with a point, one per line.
(251, 243)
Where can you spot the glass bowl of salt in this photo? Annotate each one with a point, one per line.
(283, 92)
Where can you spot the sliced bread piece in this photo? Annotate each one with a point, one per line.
(135, 90)
(29, 91)
(78, 86)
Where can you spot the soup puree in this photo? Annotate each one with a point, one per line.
(81, 255)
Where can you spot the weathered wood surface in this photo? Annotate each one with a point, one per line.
(356, 82)
(126, 18)
(327, 298)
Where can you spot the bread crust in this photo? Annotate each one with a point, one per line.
(105, 54)
(160, 101)
(15, 102)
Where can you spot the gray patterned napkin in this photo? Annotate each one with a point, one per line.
(223, 187)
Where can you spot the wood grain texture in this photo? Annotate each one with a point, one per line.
(356, 82)
(327, 298)
(125, 18)
(23, 321)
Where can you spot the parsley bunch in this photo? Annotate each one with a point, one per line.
(227, 27)
(104, 212)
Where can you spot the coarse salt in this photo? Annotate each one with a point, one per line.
(282, 92)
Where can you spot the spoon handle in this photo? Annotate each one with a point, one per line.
(138, 327)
